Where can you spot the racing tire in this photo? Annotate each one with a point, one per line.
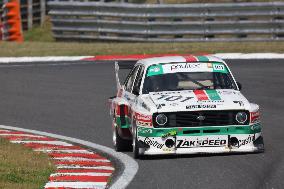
(135, 147)
(120, 144)
(260, 144)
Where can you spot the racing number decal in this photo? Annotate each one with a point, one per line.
(174, 98)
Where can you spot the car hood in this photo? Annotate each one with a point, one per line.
(189, 100)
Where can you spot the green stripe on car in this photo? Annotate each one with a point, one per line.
(201, 131)
(202, 58)
(119, 124)
(213, 95)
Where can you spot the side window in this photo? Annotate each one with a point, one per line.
(138, 80)
(130, 79)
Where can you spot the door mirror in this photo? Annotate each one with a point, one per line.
(239, 85)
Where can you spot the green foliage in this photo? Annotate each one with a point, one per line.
(23, 168)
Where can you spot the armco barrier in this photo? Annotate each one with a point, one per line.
(73, 20)
(12, 29)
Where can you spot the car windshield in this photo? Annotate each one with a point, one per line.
(192, 80)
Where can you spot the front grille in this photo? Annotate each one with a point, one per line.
(210, 118)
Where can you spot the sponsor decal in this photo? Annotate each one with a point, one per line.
(185, 66)
(143, 120)
(159, 106)
(153, 143)
(145, 124)
(166, 93)
(155, 70)
(171, 133)
(142, 130)
(201, 143)
(241, 103)
(142, 117)
(219, 67)
(246, 141)
(199, 106)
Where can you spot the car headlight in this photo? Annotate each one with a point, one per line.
(161, 119)
(241, 117)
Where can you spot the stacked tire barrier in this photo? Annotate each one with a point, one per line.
(12, 25)
(73, 20)
(33, 12)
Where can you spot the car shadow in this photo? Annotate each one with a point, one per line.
(200, 155)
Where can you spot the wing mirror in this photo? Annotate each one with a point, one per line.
(239, 85)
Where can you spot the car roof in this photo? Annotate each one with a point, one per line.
(178, 59)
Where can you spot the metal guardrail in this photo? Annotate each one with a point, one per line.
(167, 22)
(32, 12)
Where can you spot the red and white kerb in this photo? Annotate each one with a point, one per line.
(77, 167)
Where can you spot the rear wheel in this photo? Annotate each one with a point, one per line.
(120, 144)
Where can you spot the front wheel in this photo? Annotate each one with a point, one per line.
(120, 144)
(135, 147)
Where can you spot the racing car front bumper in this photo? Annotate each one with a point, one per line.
(225, 139)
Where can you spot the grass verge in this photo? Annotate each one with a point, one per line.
(22, 168)
(9, 49)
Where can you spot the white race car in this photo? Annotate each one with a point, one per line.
(183, 105)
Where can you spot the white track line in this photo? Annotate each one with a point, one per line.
(85, 185)
(130, 165)
(20, 135)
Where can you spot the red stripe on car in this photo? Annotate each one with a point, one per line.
(190, 58)
(201, 95)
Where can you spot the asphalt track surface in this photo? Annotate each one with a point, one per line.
(71, 100)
